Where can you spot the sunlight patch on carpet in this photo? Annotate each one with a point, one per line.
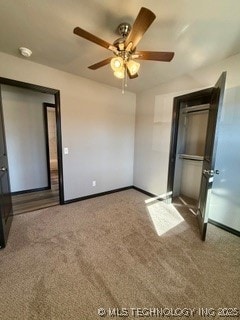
(164, 217)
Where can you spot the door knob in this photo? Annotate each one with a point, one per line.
(3, 169)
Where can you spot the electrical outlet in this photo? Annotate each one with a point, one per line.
(94, 183)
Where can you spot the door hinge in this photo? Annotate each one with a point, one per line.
(211, 172)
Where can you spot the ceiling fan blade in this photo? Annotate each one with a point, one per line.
(91, 37)
(100, 64)
(154, 55)
(131, 76)
(143, 21)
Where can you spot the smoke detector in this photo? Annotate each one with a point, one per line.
(25, 52)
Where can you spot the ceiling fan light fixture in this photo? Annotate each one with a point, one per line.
(117, 63)
(123, 63)
(133, 67)
(120, 74)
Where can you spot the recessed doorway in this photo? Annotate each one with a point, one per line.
(33, 138)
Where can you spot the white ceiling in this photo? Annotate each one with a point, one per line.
(200, 32)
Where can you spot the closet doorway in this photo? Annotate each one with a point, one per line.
(193, 147)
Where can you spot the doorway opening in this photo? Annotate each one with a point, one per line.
(42, 197)
(34, 152)
(188, 137)
(192, 130)
(50, 124)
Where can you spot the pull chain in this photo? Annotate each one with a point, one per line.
(124, 81)
(123, 85)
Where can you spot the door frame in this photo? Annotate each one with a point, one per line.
(5, 224)
(45, 119)
(192, 98)
(56, 93)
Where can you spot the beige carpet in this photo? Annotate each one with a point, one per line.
(65, 262)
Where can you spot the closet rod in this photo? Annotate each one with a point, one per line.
(190, 157)
(204, 107)
(195, 112)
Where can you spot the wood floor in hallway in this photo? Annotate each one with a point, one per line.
(31, 201)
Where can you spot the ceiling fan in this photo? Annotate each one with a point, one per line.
(124, 48)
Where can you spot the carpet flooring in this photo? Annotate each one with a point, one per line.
(121, 251)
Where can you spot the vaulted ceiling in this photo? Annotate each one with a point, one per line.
(200, 32)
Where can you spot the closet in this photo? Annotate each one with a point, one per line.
(192, 130)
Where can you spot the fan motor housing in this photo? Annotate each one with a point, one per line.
(118, 41)
(123, 29)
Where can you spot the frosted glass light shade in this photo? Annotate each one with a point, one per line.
(120, 74)
(116, 63)
(133, 67)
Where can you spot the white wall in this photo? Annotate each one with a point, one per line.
(97, 127)
(225, 200)
(25, 137)
(152, 137)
